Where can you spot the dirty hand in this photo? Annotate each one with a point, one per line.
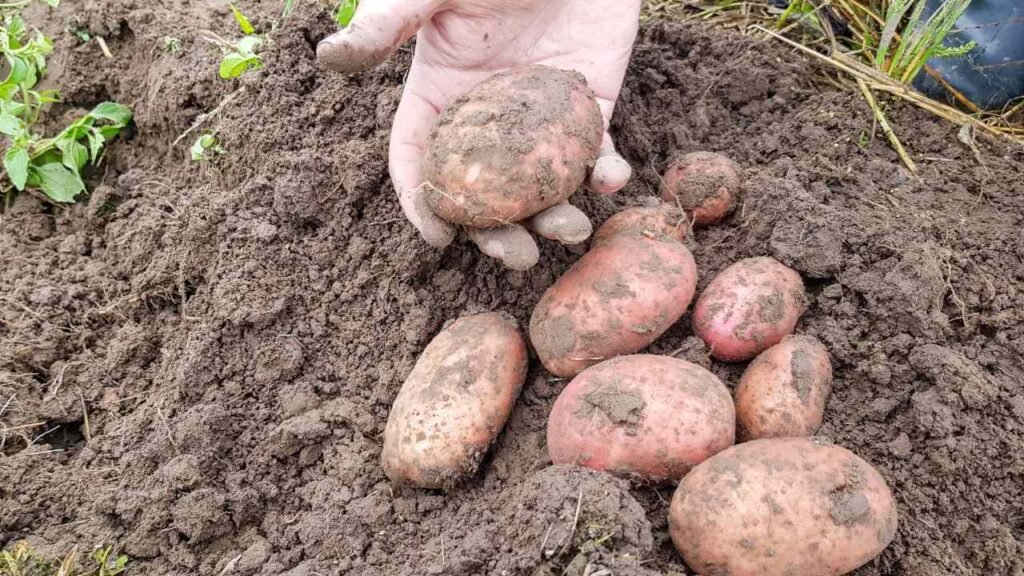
(461, 42)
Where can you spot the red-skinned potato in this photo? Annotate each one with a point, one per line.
(454, 402)
(749, 307)
(643, 417)
(618, 298)
(781, 507)
(784, 390)
(517, 143)
(664, 219)
(705, 184)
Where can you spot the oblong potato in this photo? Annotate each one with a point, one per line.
(664, 219)
(454, 402)
(644, 417)
(781, 506)
(748, 307)
(705, 184)
(616, 299)
(784, 390)
(517, 143)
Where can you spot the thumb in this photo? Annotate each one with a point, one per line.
(377, 30)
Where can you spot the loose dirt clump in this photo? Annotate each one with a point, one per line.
(218, 344)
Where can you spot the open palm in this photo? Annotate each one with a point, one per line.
(461, 42)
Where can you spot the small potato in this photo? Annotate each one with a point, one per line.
(749, 307)
(616, 299)
(519, 142)
(454, 402)
(784, 390)
(781, 507)
(644, 417)
(704, 184)
(665, 219)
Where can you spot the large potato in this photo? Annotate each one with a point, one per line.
(616, 299)
(749, 307)
(644, 417)
(517, 143)
(705, 184)
(454, 402)
(781, 507)
(784, 390)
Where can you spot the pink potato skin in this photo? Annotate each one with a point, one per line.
(784, 390)
(519, 142)
(705, 184)
(454, 402)
(664, 219)
(749, 307)
(644, 417)
(781, 507)
(616, 299)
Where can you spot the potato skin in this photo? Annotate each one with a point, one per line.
(517, 143)
(781, 506)
(749, 307)
(784, 390)
(616, 299)
(705, 184)
(664, 219)
(454, 402)
(644, 417)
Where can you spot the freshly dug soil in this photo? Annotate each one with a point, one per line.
(196, 363)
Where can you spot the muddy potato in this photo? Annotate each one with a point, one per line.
(665, 219)
(749, 307)
(454, 402)
(618, 298)
(781, 507)
(517, 143)
(784, 390)
(705, 184)
(644, 417)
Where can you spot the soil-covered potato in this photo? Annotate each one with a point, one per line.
(705, 184)
(618, 298)
(664, 219)
(454, 402)
(780, 507)
(749, 307)
(517, 143)
(784, 390)
(644, 417)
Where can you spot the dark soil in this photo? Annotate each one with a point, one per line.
(216, 346)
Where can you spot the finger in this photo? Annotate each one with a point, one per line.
(611, 172)
(377, 30)
(562, 223)
(413, 121)
(511, 244)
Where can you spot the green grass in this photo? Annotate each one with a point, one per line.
(22, 560)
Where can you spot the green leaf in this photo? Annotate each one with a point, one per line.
(96, 141)
(53, 3)
(243, 22)
(58, 182)
(19, 70)
(346, 10)
(110, 131)
(198, 150)
(16, 164)
(112, 111)
(247, 46)
(10, 125)
(75, 155)
(234, 65)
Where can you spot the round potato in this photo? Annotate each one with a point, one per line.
(749, 307)
(664, 219)
(781, 507)
(616, 299)
(705, 184)
(647, 418)
(517, 143)
(454, 402)
(784, 390)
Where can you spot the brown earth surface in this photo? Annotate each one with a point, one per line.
(214, 347)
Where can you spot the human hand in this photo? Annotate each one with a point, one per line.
(462, 42)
